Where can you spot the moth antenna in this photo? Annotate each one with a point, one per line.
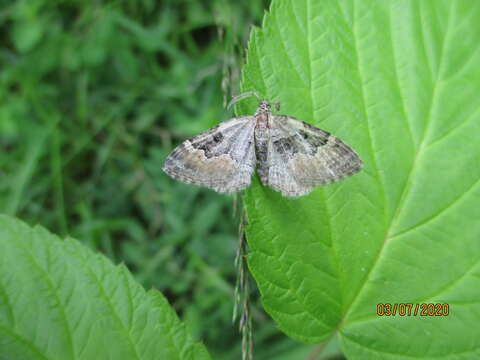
(277, 105)
(242, 96)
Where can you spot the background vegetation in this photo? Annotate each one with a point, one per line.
(93, 97)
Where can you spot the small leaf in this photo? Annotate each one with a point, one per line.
(27, 33)
(398, 80)
(58, 300)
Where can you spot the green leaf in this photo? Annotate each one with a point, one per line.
(27, 34)
(399, 81)
(58, 300)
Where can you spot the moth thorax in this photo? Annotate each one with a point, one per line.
(261, 118)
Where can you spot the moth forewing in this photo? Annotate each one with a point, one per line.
(303, 156)
(221, 158)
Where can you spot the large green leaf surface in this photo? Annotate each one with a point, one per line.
(59, 300)
(400, 82)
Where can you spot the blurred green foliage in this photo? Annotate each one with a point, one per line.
(93, 95)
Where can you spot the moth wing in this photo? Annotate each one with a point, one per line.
(302, 156)
(221, 158)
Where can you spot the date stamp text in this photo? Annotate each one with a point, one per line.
(409, 309)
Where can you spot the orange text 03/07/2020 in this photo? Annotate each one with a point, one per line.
(410, 309)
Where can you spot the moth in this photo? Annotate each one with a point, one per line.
(290, 156)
